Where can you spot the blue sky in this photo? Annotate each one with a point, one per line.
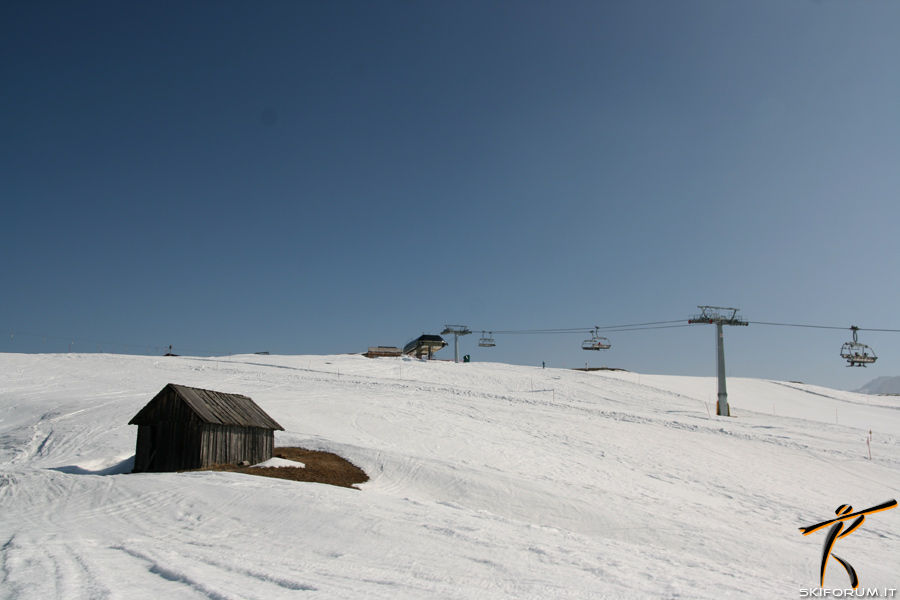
(320, 177)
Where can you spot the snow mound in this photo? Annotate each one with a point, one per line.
(280, 462)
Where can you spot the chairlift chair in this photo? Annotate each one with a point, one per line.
(596, 342)
(487, 341)
(857, 354)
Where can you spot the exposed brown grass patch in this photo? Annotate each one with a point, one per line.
(321, 467)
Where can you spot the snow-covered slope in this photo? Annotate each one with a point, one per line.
(487, 481)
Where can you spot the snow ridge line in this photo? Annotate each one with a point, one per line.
(847, 400)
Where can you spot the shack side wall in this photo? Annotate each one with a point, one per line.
(221, 444)
(168, 446)
(142, 450)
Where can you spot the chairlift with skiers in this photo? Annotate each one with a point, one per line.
(596, 342)
(487, 341)
(857, 354)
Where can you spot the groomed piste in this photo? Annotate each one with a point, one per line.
(487, 480)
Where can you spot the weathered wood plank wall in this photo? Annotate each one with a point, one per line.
(168, 446)
(229, 444)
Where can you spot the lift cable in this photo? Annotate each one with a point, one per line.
(658, 327)
(608, 327)
(535, 331)
(822, 326)
(630, 327)
(653, 324)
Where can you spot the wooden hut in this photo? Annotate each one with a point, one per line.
(190, 428)
(378, 351)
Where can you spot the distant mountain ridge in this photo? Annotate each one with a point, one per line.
(881, 385)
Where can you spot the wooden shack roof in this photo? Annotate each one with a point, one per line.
(217, 408)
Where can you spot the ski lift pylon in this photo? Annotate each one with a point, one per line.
(856, 354)
(487, 341)
(596, 342)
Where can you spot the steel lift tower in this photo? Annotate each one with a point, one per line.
(456, 330)
(720, 316)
